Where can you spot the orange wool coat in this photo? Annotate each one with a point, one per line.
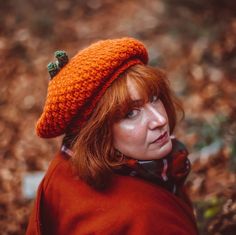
(66, 205)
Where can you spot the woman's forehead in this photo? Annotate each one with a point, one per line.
(141, 91)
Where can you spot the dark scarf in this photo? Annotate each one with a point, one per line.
(169, 172)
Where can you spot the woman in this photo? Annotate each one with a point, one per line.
(119, 170)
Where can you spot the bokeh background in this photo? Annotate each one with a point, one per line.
(194, 40)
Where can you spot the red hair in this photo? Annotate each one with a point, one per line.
(94, 156)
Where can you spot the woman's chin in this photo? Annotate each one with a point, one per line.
(164, 150)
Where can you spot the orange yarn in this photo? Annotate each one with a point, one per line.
(76, 89)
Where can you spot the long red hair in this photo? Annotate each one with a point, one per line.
(94, 156)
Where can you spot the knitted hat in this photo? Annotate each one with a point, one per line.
(74, 92)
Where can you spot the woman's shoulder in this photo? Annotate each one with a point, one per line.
(129, 206)
(137, 194)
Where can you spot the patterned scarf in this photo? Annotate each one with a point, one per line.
(169, 172)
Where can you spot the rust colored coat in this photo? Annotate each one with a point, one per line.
(67, 206)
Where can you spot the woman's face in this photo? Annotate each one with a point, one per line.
(143, 133)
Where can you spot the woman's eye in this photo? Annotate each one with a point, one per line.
(133, 113)
(154, 98)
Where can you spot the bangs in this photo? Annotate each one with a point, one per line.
(148, 82)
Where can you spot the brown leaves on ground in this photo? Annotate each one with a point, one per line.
(195, 43)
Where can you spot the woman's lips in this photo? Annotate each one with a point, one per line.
(162, 139)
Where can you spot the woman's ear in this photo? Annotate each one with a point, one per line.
(117, 156)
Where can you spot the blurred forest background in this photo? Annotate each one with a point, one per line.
(194, 40)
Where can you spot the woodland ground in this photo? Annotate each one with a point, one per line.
(195, 41)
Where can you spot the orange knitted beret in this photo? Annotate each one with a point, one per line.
(76, 89)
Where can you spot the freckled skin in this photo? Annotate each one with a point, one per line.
(135, 134)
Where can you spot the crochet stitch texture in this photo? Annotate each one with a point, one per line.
(74, 92)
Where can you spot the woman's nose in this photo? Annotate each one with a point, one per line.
(157, 118)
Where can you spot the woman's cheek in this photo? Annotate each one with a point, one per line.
(127, 126)
(126, 132)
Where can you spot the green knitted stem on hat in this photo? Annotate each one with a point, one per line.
(53, 69)
(62, 58)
